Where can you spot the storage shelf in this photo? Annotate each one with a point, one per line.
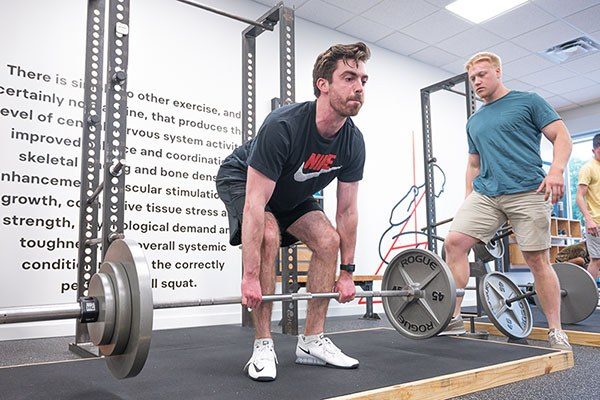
(567, 231)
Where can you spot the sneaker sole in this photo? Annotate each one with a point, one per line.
(319, 362)
(453, 333)
(561, 348)
(262, 378)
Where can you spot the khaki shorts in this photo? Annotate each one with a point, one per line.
(593, 246)
(480, 216)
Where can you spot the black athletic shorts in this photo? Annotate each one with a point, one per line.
(234, 197)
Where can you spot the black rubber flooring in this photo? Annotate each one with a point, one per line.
(590, 324)
(207, 362)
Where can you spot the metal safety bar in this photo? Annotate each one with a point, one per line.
(266, 25)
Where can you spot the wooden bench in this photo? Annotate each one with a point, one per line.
(365, 282)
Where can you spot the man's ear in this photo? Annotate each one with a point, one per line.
(323, 85)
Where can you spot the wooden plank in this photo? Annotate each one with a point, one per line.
(464, 382)
(575, 337)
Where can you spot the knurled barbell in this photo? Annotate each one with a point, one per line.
(418, 295)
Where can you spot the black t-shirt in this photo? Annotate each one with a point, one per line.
(289, 150)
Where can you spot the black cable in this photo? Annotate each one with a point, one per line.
(415, 191)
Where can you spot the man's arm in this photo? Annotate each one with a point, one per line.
(557, 133)
(590, 225)
(473, 165)
(259, 189)
(346, 218)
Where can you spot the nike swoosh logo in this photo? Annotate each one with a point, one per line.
(306, 351)
(300, 176)
(257, 369)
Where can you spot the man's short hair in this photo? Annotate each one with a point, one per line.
(596, 141)
(327, 61)
(493, 58)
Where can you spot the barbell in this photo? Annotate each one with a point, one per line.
(508, 309)
(418, 295)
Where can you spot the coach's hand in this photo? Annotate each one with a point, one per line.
(591, 228)
(553, 185)
(345, 287)
(251, 292)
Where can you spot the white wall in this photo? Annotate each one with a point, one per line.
(180, 52)
(583, 119)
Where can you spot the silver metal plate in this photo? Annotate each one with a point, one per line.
(513, 320)
(419, 318)
(582, 293)
(101, 288)
(496, 249)
(481, 253)
(122, 318)
(130, 256)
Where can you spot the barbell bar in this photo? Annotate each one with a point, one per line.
(51, 312)
(418, 295)
(217, 301)
(528, 294)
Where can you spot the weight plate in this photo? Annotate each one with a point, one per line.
(130, 257)
(482, 253)
(419, 318)
(122, 321)
(513, 320)
(581, 293)
(496, 249)
(101, 288)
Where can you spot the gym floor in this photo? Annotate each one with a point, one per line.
(580, 382)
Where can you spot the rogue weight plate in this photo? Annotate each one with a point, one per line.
(128, 255)
(419, 318)
(513, 320)
(581, 293)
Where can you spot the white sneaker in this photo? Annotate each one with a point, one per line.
(262, 364)
(319, 350)
(559, 340)
(456, 326)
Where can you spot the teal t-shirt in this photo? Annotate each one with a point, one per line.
(506, 134)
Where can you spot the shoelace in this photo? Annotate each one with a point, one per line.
(265, 353)
(560, 337)
(329, 346)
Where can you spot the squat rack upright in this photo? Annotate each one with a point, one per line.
(112, 186)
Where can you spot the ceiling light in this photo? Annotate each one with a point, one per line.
(481, 10)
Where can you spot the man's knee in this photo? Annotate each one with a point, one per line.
(328, 245)
(538, 261)
(271, 237)
(457, 244)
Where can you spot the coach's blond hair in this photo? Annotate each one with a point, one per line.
(484, 56)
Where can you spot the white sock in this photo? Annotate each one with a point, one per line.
(312, 338)
(263, 341)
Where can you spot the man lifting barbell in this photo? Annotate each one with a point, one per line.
(505, 180)
(418, 295)
(270, 182)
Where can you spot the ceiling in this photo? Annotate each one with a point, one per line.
(426, 31)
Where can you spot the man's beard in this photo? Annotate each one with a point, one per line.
(343, 108)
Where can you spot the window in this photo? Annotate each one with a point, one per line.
(582, 153)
